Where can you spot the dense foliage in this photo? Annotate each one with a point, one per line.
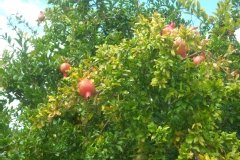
(152, 101)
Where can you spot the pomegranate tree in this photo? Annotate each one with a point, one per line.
(86, 88)
(64, 68)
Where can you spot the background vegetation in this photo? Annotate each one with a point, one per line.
(150, 103)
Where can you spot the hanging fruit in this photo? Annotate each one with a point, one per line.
(198, 59)
(168, 29)
(86, 88)
(41, 17)
(64, 68)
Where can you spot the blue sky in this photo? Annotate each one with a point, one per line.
(209, 5)
(28, 8)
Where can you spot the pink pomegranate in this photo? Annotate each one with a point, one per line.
(180, 47)
(168, 29)
(86, 88)
(198, 59)
(64, 68)
(41, 16)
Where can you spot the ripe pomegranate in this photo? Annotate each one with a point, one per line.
(86, 88)
(194, 30)
(41, 17)
(64, 68)
(198, 59)
(181, 47)
(168, 29)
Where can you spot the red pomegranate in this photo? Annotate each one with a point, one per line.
(168, 29)
(198, 59)
(64, 68)
(41, 16)
(86, 88)
(181, 47)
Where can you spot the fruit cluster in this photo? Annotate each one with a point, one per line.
(86, 87)
(180, 45)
